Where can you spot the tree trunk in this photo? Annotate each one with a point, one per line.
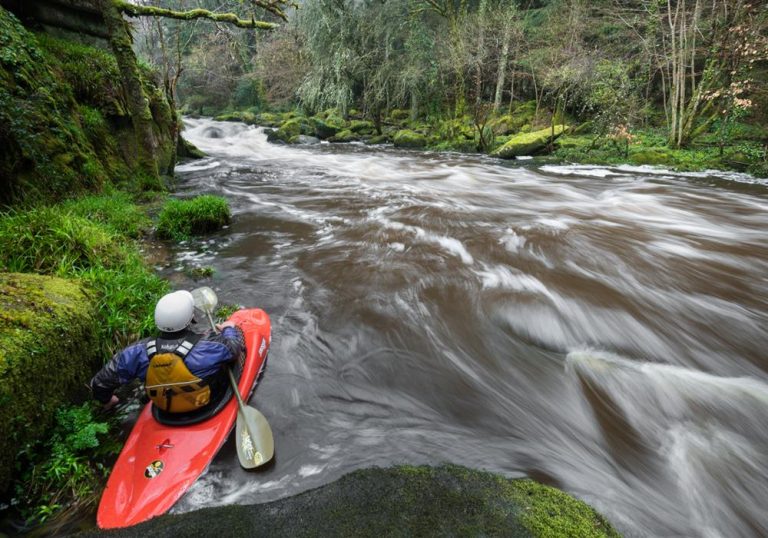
(502, 69)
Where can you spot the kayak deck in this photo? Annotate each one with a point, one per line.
(159, 463)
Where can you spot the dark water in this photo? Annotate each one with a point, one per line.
(600, 330)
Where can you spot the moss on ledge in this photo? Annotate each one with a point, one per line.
(47, 325)
(401, 501)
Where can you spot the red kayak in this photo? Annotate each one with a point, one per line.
(160, 461)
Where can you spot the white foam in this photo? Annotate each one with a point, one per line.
(450, 244)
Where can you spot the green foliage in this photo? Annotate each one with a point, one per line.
(92, 73)
(180, 219)
(48, 240)
(67, 465)
(88, 239)
(611, 96)
(45, 153)
(249, 92)
(117, 211)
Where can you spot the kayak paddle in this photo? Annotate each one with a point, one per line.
(255, 444)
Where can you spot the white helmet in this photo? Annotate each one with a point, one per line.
(174, 311)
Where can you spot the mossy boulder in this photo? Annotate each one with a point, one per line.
(326, 128)
(652, 157)
(401, 501)
(48, 352)
(268, 119)
(187, 150)
(379, 139)
(527, 143)
(344, 136)
(409, 139)
(398, 115)
(362, 126)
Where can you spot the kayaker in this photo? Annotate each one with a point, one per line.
(182, 370)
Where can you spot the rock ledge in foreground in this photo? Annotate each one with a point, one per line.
(400, 501)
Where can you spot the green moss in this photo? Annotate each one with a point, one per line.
(398, 115)
(527, 143)
(403, 501)
(344, 136)
(180, 219)
(362, 126)
(379, 139)
(45, 153)
(91, 72)
(48, 327)
(409, 139)
(325, 129)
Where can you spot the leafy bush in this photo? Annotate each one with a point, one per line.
(180, 219)
(67, 465)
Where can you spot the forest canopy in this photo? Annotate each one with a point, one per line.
(689, 67)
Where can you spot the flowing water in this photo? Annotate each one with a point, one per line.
(602, 330)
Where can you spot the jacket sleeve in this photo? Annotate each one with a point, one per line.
(121, 369)
(233, 339)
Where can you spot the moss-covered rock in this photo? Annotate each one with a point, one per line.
(344, 136)
(326, 128)
(402, 501)
(652, 157)
(527, 143)
(398, 115)
(64, 121)
(48, 337)
(187, 150)
(362, 126)
(409, 139)
(268, 119)
(379, 139)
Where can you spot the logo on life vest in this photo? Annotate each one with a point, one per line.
(262, 347)
(153, 469)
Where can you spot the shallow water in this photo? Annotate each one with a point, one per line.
(598, 329)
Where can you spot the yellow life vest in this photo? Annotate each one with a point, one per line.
(169, 383)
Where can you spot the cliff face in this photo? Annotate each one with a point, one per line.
(69, 119)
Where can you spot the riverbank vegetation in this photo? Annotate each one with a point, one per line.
(74, 289)
(680, 84)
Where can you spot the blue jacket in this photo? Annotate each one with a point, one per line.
(205, 360)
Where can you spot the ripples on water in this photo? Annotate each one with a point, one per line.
(601, 330)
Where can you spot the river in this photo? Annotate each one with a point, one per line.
(602, 330)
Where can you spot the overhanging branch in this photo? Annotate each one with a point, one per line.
(133, 10)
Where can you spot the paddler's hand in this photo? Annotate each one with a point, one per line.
(113, 401)
(221, 326)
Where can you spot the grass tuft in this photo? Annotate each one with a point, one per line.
(181, 219)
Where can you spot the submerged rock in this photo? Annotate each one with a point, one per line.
(527, 143)
(401, 501)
